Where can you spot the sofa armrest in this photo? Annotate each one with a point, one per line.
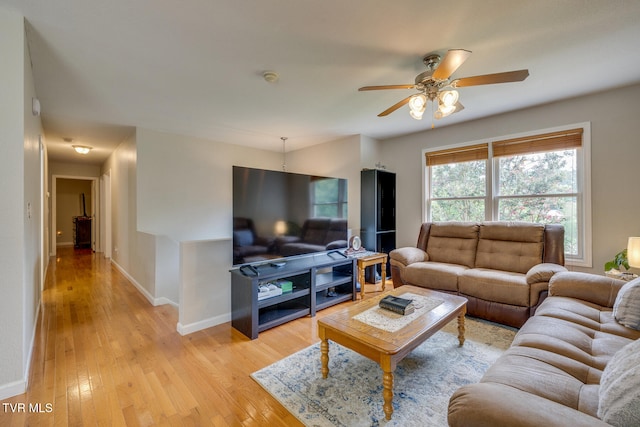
(490, 404)
(599, 290)
(408, 255)
(543, 272)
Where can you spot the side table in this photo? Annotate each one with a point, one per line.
(367, 261)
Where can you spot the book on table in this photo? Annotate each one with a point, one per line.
(397, 305)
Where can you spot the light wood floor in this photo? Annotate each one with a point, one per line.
(104, 356)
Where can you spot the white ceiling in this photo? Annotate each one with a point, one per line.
(102, 68)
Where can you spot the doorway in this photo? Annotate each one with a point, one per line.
(73, 199)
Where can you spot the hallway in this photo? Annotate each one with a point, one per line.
(103, 355)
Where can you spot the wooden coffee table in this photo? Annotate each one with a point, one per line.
(388, 348)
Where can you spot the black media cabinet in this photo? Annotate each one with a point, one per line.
(319, 280)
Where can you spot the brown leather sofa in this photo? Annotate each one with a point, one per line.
(502, 268)
(550, 376)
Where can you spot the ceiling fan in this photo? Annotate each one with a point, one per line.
(435, 85)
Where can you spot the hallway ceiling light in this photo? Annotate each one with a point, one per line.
(82, 149)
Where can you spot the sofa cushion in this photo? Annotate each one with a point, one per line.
(242, 238)
(493, 285)
(434, 275)
(314, 230)
(586, 314)
(626, 308)
(619, 402)
(510, 246)
(337, 233)
(453, 243)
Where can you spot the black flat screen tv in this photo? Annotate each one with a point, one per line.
(280, 214)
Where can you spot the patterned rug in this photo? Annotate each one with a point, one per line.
(352, 394)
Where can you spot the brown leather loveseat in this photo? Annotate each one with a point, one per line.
(502, 268)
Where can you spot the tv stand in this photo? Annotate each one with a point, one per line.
(308, 282)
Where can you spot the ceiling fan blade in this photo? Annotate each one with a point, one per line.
(450, 63)
(488, 79)
(395, 106)
(386, 87)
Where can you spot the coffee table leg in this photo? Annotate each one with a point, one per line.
(461, 327)
(324, 357)
(388, 365)
(387, 393)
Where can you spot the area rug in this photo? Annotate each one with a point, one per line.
(352, 394)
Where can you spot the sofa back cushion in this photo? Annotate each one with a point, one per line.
(453, 243)
(510, 246)
(314, 230)
(337, 231)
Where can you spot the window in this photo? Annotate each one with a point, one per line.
(536, 178)
(329, 198)
(458, 183)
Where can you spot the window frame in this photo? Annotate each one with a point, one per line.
(583, 176)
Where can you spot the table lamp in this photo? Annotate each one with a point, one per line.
(633, 252)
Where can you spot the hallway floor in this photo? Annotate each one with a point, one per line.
(103, 355)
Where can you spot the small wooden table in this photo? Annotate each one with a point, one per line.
(388, 348)
(367, 261)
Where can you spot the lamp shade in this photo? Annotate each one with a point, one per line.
(633, 252)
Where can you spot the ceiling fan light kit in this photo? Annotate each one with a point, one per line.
(435, 85)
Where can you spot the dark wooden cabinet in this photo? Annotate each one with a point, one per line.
(378, 212)
(316, 281)
(82, 231)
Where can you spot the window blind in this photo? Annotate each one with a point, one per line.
(554, 141)
(458, 155)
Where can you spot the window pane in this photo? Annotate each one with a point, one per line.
(545, 210)
(467, 179)
(539, 173)
(330, 211)
(326, 191)
(457, 210)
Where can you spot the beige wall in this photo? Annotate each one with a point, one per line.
(615, 149)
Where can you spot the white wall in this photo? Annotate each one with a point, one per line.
(184, 184)
(32, 213)
(20, 217)
(12, 194)
(614, 152)
(339, 159)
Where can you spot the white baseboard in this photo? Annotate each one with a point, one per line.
(152, 300)
(203, 324)
(12, 389)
